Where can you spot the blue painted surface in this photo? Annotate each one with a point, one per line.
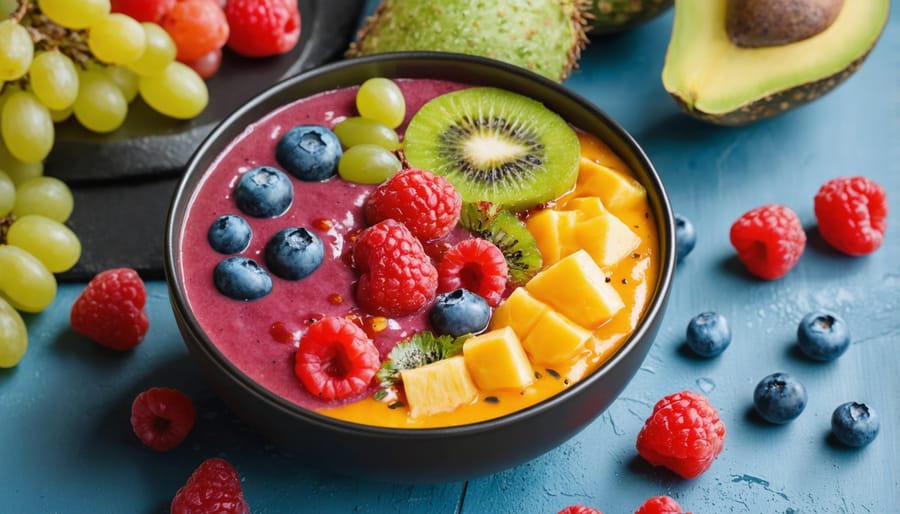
(66, 444)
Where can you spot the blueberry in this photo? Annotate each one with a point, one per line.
(309, 152)
(779, 398)
(685, 236)
(708, 334)
(264, 192)
(459, 312)
(294, 253)
(823, 336)
(229, 234)
(855, 424)
(242, 279)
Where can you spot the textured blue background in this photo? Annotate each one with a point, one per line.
(66, 445)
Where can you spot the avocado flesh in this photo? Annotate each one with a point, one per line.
(712, 77)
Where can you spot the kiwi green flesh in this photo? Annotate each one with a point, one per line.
(494, 145)
(758, 23)
(509, 234)
(711, 76)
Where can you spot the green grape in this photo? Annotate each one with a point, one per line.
(368, 164)
(125, 79)
(16, 50)
(160, 51)
(73, 14)
(357, 130)
(380, 99)
(26, 127)
(13, 336)
(45, 196)
(178, 92)
(53, 243)
(7, 194)
(54, 80)
(117, 39)
(101, 106)
(17, 170)
(60, 116)
(24, 281)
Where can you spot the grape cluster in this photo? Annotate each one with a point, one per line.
(62, 58)
(34, 244)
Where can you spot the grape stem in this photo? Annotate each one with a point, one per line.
(47, 35)
(5, 223)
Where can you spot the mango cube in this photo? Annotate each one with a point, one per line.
(554, 232)
(496, 360)
(616, 190)
(606, 238)
(520, 311)
(554, 338)
(576, 287)
(587, 207)
(441, 386)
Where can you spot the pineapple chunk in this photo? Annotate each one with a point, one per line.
(496, 360)
(616, 190)
(587, 207)
(441, 386)
(554, 232)
(606, 238)
(520, 311)
(576, 287)
(554, 338)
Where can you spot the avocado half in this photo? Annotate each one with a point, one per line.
(715, 80)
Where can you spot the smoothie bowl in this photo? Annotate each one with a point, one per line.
(419, 266)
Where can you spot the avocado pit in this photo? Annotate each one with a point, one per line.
(763, 23)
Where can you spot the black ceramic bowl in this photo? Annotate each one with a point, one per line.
(440, 454)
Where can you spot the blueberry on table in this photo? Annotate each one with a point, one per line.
(855, 424)
(229, 234)
(823, 336)
(459, 312)
(264, 192)
(294, 253)
(708, 334)
(779, 398)
(241, 278)
(685, 236)
(309, 152)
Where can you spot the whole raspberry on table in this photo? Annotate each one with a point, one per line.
(397, 277)
(683, 433)
(213, 488)
(579, 509)
(336, 359)
(110, 309)
(660, 505)
(476, 265)
(852, 214)
(162, 417)
(769, 240)
(426, 203)
(261, 28)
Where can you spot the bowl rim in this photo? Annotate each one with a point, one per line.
(202, 159)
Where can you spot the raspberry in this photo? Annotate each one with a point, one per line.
(660, 505)
(197, 27)
(579, 509)
(213, 488)
(397, 278)
(426, 203)
(143, 10)
(684, 433)
(162, 417)
(110, 309)
(336, 359)
(852, 214)
(261, 28)
(477, 265)
(769, 240)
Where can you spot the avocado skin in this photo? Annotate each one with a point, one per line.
(613, 16)
(776, 103)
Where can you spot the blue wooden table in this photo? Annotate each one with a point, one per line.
(66, 444)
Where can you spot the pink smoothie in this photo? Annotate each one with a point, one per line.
(242, 330)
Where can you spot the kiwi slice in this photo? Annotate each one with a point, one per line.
(494, 145)
(508, 232)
